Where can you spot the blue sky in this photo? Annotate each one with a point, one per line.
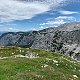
(26, 15)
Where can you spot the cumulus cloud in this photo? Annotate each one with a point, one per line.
(59, 20)
(56, 22)
(68, 12)
(11, 10)
(66, 18)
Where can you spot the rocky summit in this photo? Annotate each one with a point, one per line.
(64, 39)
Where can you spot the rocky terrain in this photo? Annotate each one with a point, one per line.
(64, 39)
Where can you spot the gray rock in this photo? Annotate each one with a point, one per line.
(64, 39)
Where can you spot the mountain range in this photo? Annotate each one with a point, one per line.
(64, 39)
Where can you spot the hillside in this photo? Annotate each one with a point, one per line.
(34, 64)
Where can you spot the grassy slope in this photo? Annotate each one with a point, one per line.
(48, 65)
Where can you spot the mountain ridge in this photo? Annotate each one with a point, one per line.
(64, 39)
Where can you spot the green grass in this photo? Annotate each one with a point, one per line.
(47, 65)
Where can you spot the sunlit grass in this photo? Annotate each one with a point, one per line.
(46, 65)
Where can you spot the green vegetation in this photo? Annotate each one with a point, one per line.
(35, 64)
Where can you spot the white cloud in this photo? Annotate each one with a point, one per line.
(58, 21)
(11, 10)
(42, 24)
(55, 22)
(47, 27)
(43, 27)
(10, 28)
(66, 18)
(67, 12)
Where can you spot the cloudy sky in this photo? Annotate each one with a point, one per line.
(26, 15)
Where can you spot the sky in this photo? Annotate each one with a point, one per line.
(27, 15)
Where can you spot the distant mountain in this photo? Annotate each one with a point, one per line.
(64, 39)
(1, 32)
(23, 39)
